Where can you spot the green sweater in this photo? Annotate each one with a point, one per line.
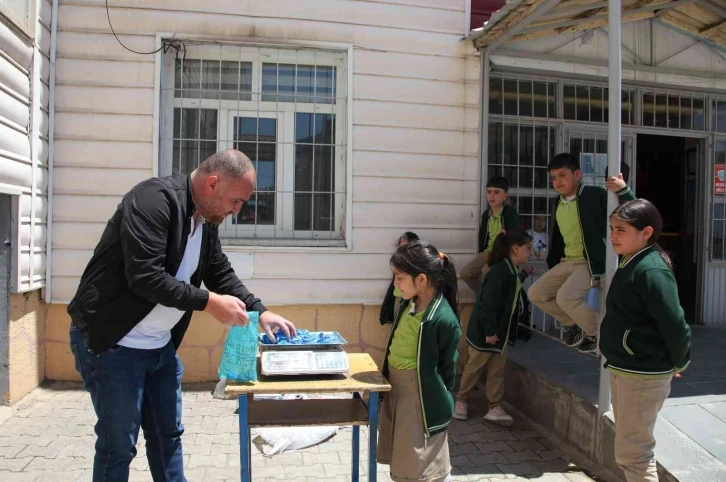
(644, 331)
(436, 365)
(510, 219)
(492, 314)
(592, 206)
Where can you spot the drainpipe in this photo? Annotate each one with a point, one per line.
(614, 146)
(51, 154)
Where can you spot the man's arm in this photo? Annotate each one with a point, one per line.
(220, 278)
(144, 231)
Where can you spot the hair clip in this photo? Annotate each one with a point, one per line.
(504, 232)
(441, 255)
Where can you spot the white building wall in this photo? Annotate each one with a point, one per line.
(415, 130)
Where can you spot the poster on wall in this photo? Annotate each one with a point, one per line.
(594, 168)
(719, 179)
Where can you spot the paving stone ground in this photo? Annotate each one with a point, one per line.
(49, 437)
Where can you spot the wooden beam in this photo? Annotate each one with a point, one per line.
(515, 22)
(712, 8)
(638, 7)
(713, 29)
(581, 26)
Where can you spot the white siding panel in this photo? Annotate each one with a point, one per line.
(86, 153)
(43, 39)
(41, 207)
(15, 47)
(104, 127)
(134, 22)
(434, 166)
(104, 73)
(104, 100)
(393, 64)
(335, 11)
(45, 97)
(407, 190)
(382, 240)
(103, 46)
(408, 115)
(14, 78)
(408, 140)
(15, 173)
(37, 260)
(72, 263)
(64, 287)
(320, 266)
(12, 109)
(414, 215)
(39, 233)
(96, 209)
(91, 181)
(70, 235)
(283, 291)
(369, 87)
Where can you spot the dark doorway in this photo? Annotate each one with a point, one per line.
(666, 175)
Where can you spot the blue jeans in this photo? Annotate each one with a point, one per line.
(129, 389)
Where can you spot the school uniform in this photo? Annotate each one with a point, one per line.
(576, 256)
(420, 363)
(489, 229)
(492, 315)
(645, 339)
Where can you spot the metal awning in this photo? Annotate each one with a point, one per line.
(521, 20)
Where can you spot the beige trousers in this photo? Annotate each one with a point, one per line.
(637, 400)
(494, 364)
(561, 292)
(472, 271)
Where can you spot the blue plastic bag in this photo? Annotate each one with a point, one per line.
(239, 358)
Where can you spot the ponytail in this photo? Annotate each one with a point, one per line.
(503, 243)
(641, 213)
(421, 257)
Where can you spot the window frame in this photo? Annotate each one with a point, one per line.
(163, 123)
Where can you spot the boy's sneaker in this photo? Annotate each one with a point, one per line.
(499, 416)
(588, 344)
(461, 410)
(574, 336)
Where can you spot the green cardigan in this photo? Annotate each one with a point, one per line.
(436, 361)
(592, 206)
(644, 331)
(492, 314)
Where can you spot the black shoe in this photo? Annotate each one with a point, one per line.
(574, 337)
(588, 344)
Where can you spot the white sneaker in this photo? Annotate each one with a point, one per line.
(461, 410)
(499, 416)
(448, 478)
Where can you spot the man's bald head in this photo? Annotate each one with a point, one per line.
(222, 184)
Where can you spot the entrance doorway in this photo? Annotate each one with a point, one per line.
(667, 170)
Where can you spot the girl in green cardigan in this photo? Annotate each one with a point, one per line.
(420, 364)
(491, 324)
(644, 336)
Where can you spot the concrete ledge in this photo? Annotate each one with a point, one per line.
(556, 388)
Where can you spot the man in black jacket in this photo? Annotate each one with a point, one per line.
(135, 301)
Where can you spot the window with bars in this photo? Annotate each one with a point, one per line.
(588, 102)
(522, 96)
(286, 110)
(674, 110)
(520, 153)
(718, 116)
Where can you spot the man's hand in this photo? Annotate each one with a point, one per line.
(227, 309)
(492, 340)
(268, 320)
(616, 184)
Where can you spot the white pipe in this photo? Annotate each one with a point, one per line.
(48, 294)
(614, 134)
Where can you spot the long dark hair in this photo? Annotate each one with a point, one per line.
(421, 257)
(641, 213)
(503, 244)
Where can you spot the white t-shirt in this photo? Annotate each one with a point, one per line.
(154, 331)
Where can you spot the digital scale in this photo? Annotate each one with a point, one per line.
(304, 359)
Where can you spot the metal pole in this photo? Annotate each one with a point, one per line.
(614, 134)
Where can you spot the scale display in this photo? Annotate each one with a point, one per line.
(304, 362)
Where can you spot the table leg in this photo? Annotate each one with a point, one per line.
(355, 472)
(245, 455)
(372, 436)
